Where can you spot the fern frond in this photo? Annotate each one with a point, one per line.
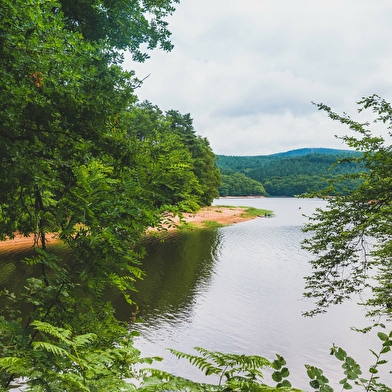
(59, 333)
(158, 380)
(49, 347)
(12, 364)
(200, 362)
(83, 340)
(72, 381)
(243, 361)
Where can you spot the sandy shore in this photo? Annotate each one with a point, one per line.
(22, 241)
(223, 215)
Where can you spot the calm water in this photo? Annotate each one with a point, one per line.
(237, 289)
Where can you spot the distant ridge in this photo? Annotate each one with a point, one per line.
(289, 173)
(297, 152)
(317, 150)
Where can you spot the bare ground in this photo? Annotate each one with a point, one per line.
(223, 215)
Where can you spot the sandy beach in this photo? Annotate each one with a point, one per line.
(223, 215)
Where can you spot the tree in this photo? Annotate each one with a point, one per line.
(237, 184)
(351, 238)
(69, 167)
(165, 166)
(205, 167)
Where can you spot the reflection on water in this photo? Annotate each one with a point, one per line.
(13, 271)
(176, 271)
(237, 289)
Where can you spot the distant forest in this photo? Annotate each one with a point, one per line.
(289, 173)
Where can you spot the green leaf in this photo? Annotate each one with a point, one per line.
(285, 372)
(382, 336)
(52, 348)
(314, 384)
(310, 372)
(385, 350)
(276, 364)
(340, 354)
(351, 375)
(373, 370)
(285, 384)
(277, 376)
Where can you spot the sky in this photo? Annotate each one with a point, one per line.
(248, 71)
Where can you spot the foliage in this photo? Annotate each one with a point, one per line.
(351, 238)
(352, 370)
(238, 184)
(287, 174)
(121, 25)
(89, 364)
(166, 169)
(71, 165)
(205, 165)
(233, 372)
(236, 372)
(212, 224)
(80, 160)
(252, 211)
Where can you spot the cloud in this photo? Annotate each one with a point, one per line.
(247, 70)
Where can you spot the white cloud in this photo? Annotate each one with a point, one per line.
(247, 70)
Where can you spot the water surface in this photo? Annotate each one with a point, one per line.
(239, 289)
(235, 289)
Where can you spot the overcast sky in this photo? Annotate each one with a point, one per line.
(247, 70)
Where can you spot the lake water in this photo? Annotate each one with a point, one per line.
(239, 289)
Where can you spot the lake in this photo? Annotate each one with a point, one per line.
(239, 289)
(236, 289)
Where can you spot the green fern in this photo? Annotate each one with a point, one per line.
(235, 372)
(51, 348)
(157, 380)
(59, 333)
(12, 364)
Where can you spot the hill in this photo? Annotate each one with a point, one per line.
(287, 173)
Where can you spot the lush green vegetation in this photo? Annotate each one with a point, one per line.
(351, 244)
(81, 159)
(252, 211)
(287, 174)
(238, 184)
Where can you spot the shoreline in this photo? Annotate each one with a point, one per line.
(222, 215)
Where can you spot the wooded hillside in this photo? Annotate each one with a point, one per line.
(288, 173)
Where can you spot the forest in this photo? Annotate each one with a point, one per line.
(290, 173)
(85, 163)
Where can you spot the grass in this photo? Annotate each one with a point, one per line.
(187, 226)
(207, 224)
(249, 211)
(211, 224)
(252, 211)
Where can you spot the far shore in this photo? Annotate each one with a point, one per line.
(222, 215)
